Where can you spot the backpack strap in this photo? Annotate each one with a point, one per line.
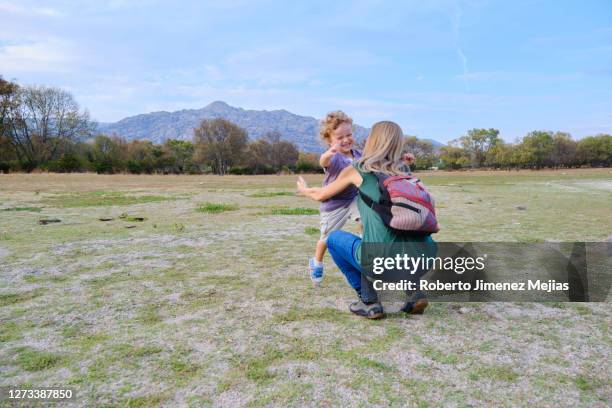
(383, 207)
(384, 194)
(385, 198)
(381, 210)
(366, 199)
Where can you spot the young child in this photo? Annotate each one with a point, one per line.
(337, 133)
(408, 159)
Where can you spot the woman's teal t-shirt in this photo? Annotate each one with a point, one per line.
(374, 230)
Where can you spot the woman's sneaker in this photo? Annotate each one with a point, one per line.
(371, 311)
(316, 271)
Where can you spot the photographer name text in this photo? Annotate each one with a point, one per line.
(479, 285)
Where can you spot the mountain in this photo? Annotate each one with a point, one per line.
(159, 126)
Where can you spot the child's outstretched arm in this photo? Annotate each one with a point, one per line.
(325, 159)
(346, 177)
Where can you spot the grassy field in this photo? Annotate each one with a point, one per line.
(194, 291)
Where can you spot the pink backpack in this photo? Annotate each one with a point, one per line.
(405, 205)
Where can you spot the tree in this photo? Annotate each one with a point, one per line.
(259, 157)
(477, 144)
(141, 158)
(7, 155)
(108, 154)
(282, 153)
(8, 102)
(595, 150)
(453, 157)
(219, 144)
(270, 154)
(178, 156)
(537, 149)
(503, 155)
(308, 163)
(40, 120)
(564, 150)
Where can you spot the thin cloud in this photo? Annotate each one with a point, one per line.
(16, 9)
(460, 53)
(499, 76)
(48, 55)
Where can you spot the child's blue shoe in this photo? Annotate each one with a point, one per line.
(316, 271)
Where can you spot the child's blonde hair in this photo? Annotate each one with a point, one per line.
(331, 122)
(383, 149)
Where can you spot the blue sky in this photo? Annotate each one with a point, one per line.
(436, 67)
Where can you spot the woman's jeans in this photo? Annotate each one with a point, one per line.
(341, 246)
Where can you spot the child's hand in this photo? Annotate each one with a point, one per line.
(333, 149)
(302, 186)
(408, 158)
(326, 157)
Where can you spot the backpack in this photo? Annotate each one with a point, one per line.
(405, 205)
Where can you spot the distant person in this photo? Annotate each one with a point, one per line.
(337, 134)
(382, 155)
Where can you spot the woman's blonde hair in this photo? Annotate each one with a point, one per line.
(331, 122)
(383, 149)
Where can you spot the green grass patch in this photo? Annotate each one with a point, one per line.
(318, 314)
(312, 231)
(180, 364)
(289, 394)
(364, 363)
(439, 356)
(101, 281)
(101, 199)
(294, 211)
(267, 194)
(142, 402)
(201, 298)
(86, 341)
(31, 359)
(585, 384)
(583, 309)
(7, 299)
(256, 368)
(486, 346)
(96, 372)
(215, 208)
(29, 209)
(10, 332)
(124, 350)
(149, 315)
(131, 218)
(496, 373)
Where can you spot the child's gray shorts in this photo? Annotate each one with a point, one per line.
(335, 220)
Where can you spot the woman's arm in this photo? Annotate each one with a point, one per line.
(346, 177)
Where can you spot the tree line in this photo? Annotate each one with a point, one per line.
(483, 148)
(43, 128)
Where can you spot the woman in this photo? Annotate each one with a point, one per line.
(382, 154)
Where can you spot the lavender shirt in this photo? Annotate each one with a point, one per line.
(337, 164)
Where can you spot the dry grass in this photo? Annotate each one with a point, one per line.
(189, 308)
